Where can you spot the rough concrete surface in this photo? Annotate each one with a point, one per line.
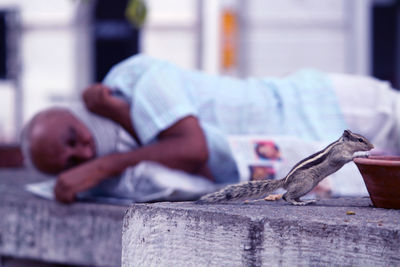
(332, 232)
(33, 228)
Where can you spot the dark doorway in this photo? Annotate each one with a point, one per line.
(114, 37)
(386, 42)
(9, 43)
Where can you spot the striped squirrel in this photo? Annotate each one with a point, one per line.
(303, 177)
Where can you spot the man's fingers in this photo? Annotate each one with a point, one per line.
(62, 195)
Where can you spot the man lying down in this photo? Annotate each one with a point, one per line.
(149, 110)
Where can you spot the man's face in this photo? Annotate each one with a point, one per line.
(60, 141)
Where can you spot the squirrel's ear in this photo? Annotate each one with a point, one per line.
(346, 134)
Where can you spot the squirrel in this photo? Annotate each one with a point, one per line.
(303, 177)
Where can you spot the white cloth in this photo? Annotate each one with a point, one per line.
(370, 107)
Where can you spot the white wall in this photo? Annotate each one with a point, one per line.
(275, 37)
(278, 37)
(172, 32)
(55, 62)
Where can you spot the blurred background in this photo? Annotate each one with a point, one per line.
(51, 49)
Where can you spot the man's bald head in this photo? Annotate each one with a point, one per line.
(56, 140)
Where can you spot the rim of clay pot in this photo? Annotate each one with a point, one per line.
(379, 160)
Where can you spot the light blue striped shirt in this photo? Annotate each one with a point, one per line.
(161, 93)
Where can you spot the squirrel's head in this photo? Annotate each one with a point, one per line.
(357, 142)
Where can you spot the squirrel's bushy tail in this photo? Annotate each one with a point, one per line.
(250, 189)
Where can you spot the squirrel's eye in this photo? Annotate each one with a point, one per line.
(360, 140)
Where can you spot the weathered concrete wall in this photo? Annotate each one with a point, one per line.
(185, 234)
(33, 228)
(264, 234)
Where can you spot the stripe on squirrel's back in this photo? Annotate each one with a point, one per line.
(312, 160)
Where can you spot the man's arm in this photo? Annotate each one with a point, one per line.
(186, 133)
(181, 146)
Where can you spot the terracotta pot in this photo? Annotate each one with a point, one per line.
(381, 176)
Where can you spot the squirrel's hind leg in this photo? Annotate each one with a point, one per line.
(297, 201)
(296, 190)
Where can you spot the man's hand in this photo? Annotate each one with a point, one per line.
(99, 100)
(79, 179)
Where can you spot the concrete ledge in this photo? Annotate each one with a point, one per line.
(262, 234)
(32, 228)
